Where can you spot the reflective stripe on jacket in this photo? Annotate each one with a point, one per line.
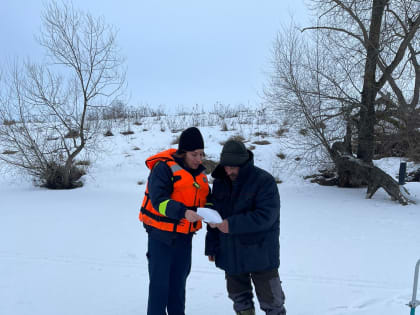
(187, 189)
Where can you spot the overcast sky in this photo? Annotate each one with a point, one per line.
(179, 53)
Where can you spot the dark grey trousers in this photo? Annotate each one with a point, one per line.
(267, 287)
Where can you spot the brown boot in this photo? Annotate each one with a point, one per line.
(249, 311)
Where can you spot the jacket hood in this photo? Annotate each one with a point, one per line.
(161, 156)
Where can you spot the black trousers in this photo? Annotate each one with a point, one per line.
(169, 267)
(267, 287)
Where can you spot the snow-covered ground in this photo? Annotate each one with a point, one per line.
(83, 251)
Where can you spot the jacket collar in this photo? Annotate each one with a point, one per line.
(193, 172)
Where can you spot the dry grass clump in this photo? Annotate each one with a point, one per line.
(210, 165)
(9, 152)
(262, 142)
(280, 132)
(234, 137)
(83, 163)
(128, 132)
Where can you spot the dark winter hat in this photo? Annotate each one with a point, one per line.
(190, 140)
(234, 153)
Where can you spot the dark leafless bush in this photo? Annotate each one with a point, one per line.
(262, 142)
(54, 177)
(56, 105)
(9, 152)
(127, 132)
(108, 133)
(303, 132)
(8, 122)
(224, 126)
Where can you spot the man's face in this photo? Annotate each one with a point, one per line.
(232, 172)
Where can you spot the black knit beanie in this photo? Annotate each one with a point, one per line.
(234, 153)
(190, 140)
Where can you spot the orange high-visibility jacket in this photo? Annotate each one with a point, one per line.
(192, 192)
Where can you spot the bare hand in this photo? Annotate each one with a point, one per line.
(192, 216)
(223, 227)
(211, 258)
(213, 225)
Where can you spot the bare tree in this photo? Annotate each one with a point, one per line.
(357, 53)
(51, 103)
(311, 94)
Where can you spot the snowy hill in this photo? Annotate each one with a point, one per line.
(82, 251)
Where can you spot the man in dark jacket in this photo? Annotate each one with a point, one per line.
(246, 244)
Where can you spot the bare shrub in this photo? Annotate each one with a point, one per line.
(117, 110)
(224, 126)
(56, 104)
(281, 156)
(303, 132)
(54, 177)
(281, 131)
(108, 133)
(225, 111)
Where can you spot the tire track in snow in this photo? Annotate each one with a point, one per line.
(132, 262)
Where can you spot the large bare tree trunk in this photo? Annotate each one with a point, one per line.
(370, 89)
(354, 172)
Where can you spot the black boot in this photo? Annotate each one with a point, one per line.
(249, 311)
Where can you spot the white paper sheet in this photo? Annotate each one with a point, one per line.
(209, 215)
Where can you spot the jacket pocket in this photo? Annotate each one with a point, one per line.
(253, 253)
